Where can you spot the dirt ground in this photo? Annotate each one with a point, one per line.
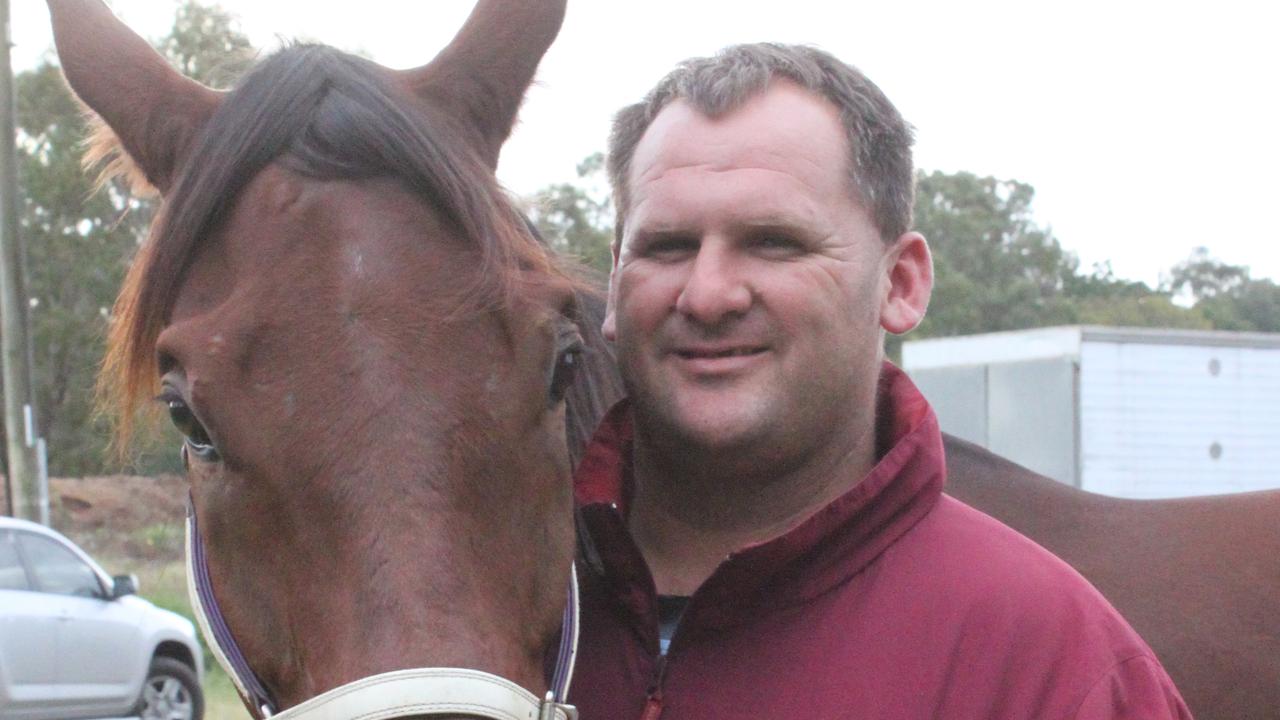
(121, 515)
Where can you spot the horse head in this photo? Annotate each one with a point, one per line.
(364, 348)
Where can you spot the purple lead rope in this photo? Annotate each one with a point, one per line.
(260, 698)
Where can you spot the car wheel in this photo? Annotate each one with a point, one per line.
(171, 692)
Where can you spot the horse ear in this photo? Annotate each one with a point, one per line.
(481, 77)
(155, 111)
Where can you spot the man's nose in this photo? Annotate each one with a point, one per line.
(716, 287)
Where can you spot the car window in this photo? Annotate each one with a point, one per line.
(12, 576)
(57, 569)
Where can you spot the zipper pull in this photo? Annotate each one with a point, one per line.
(652, 706)
(653, 703)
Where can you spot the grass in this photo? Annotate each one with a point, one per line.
(221, 702)
(163, 539)
(165, 584)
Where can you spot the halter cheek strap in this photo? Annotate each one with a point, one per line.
(421, 691)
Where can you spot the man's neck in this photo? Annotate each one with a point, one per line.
(689, 512)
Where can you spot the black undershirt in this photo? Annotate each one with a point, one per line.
(670, 608)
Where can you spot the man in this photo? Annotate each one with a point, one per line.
(765, 534)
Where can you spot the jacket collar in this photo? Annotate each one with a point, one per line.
(829, 548)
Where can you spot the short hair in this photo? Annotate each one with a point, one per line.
(879, 140)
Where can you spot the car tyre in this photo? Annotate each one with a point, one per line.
(171, 692)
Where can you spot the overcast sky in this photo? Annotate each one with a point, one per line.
(1147, 128)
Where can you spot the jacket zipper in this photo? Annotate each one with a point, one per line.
(653, 703)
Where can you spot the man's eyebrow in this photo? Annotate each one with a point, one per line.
(648, 232)
(772, 221)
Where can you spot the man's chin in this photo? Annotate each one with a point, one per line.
(718, 430)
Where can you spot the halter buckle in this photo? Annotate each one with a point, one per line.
(549, 706)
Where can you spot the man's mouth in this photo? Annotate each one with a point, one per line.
(710, 353)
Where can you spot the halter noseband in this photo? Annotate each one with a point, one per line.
(401, 693)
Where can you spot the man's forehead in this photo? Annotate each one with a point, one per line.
(783, 122)
(721, 203)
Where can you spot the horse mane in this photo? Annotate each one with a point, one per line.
(598, 385)
(104, 151)
(323, 114)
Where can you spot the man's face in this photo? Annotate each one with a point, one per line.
(747, 296)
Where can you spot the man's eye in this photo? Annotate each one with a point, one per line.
(773, 242)
(669, 248)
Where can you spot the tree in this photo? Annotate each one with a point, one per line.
(1154, 310)
(205, 44)
(80, 241)
(78, 246)
(1225, 294)
(577, 219)
(995, 269)
(1204, 277)
(1100, 298)
(1254, 306)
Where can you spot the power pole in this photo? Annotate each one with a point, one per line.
(19, 408)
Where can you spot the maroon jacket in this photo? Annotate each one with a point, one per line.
(895, 601)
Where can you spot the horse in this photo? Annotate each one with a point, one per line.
(369, 357)
(368, 354)
(1198, 578)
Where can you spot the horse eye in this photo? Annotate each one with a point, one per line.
(194, 435)
(565, 370)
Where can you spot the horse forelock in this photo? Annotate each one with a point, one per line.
(326, 115)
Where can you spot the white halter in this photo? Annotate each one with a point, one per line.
(419, 691)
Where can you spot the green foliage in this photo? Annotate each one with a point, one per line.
(1226, 295)
(159, 540)
(1101, 298)
(221, 701)
(1203, 277)
(78, 246)
(80, 242)
(162, 582)
(1255, 306)
(1151, 310)
(997, 270)
(577, 219)
(206, 45)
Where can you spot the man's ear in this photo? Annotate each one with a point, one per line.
(610, 327)
(909, 276)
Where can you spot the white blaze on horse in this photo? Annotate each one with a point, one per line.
(368, 355)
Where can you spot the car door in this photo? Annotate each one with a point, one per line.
(98, 641)
(28, 639)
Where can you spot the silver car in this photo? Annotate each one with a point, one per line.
(76, 642)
